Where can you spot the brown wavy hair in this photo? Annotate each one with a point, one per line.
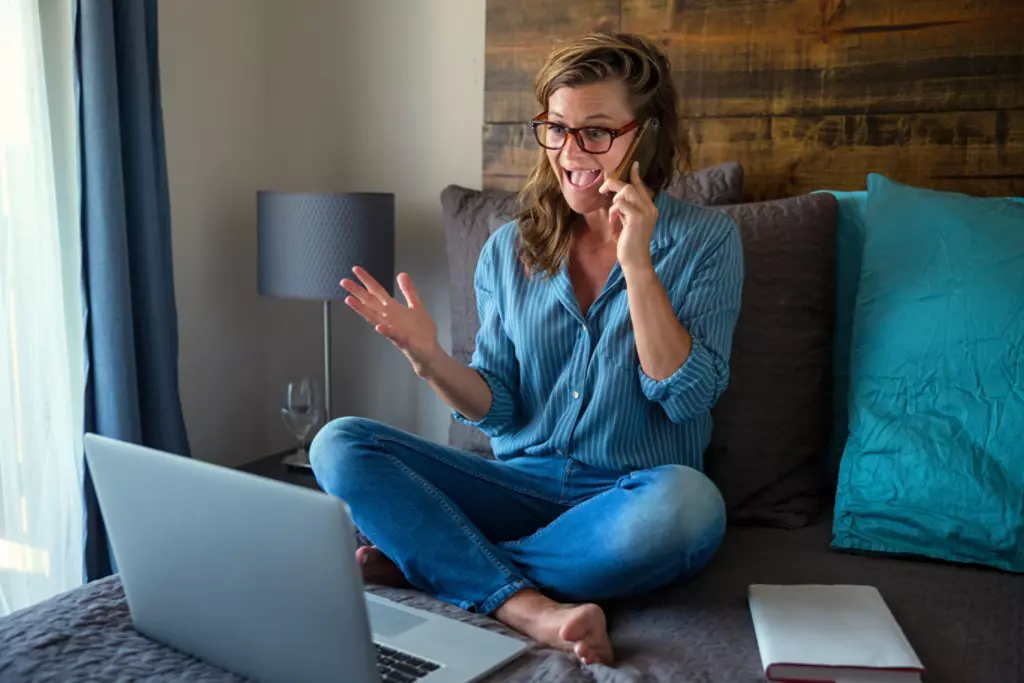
(545, 220)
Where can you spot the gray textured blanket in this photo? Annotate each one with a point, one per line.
(967, 624)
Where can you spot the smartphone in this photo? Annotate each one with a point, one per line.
(642, 149)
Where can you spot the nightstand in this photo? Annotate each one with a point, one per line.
(272, 468)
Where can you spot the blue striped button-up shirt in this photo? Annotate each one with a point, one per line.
(572, 385)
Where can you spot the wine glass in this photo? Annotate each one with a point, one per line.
(301, 414)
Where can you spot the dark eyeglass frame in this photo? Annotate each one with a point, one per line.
(542, 119)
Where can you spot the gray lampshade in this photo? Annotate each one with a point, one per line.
(308, 242)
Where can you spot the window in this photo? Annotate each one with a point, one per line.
(41, 332)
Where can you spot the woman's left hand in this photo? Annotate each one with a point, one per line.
(635, 214)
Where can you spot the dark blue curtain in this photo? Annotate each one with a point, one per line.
(128, 287)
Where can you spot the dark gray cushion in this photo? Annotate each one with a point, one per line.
(470, 216)
(711, 186)
(773, 423)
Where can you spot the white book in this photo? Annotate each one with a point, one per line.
(844, 634)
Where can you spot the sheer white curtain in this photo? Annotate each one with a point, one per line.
(41, 352)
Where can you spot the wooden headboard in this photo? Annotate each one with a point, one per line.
(806, 94)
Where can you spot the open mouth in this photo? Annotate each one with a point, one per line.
(583, 177)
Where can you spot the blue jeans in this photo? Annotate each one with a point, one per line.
(473, 531)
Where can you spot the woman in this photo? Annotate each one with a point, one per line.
(606, 317)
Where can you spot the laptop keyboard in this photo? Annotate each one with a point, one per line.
(398, 667)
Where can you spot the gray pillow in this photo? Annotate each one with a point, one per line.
(712, 186)
(773, 423)
(470, 215)
(467, 225)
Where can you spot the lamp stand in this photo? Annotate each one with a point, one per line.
(294, 459)
(327, 361)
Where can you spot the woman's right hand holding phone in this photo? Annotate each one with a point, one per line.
(408, 326)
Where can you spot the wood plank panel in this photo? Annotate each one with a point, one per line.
(528, 29)
(511, 21)
(823, 16)
(805, 93)
(745, 72)
(708, 89)
(975, 152)
(800, 58)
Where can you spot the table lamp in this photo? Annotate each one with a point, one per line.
(308, 242)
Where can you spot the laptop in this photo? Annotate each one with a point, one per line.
(259, 577)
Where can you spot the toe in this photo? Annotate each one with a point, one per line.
(583, 652)
(587, 631)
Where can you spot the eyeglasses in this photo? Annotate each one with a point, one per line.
(592, 139)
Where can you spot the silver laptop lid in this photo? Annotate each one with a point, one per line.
(253, 575)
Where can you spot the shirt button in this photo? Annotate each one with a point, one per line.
(575, 394)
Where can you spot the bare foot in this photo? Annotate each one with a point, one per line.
(378, 568)
(574, 628)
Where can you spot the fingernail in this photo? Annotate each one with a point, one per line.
(636, 164)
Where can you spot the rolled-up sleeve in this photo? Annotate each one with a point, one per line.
(708, 306)
(494, 357)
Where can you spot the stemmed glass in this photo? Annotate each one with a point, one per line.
(301, 414)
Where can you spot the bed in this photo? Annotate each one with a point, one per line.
(967, 624)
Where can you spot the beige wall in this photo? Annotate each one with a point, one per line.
(313, 95)
(212, 64)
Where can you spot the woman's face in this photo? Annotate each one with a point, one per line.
(581, 173)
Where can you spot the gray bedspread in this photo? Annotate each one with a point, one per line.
(967, 624)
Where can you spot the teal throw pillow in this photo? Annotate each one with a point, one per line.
(849, 248)
(934, 462)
